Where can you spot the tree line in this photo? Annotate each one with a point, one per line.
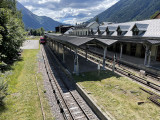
(12, 32)
(36, 32)
(12, 35)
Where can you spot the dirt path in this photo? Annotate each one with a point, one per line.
(30, 44)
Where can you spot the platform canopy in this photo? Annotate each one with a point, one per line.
(78, 41)
(107, 42)
(154, 42)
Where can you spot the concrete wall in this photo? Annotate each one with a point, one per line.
(102, 115)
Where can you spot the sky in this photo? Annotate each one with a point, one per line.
(68, 11)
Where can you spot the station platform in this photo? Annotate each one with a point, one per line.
(87, 66)
(84, 65)
(132, 61)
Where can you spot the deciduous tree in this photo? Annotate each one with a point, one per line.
(11, 30)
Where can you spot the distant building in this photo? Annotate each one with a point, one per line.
(85, 28)
(138, 38)
(62, 29)
(70, 31)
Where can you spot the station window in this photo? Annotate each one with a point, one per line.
(119, 32)
(135, 31)
(108, 33)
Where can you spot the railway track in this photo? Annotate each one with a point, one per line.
(72, 106)
(122, 64)
(154, 97)
(123, 71)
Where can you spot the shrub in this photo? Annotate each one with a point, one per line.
(3, 90)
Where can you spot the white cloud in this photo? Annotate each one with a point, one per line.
(30, 7)
(68, 11)
(45, 1)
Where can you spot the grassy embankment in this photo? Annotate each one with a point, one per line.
(23, 102)
(119, 96)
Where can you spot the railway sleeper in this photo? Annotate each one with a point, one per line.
(155, 99)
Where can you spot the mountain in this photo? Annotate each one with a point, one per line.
(129, 10)
(33, 21)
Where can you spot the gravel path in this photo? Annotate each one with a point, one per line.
(49, 93)
(30, 44)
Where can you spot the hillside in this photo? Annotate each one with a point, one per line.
(33, 21)
(129, 10)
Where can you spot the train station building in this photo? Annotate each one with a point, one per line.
(134, 43)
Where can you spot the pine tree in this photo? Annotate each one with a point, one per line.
(42, 31)
(97, 19)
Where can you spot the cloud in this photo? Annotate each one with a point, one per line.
(46, 1)
(68, 11)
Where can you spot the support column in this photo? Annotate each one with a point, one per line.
(76, 63)
(104, 58)
(52, 45)
(121, 51)
(63, 54)
(49, 43)
(146, 54)
(58, 47)
(86, 53)
(114, 47)
(114, 62)
(149, 58)
(55, 47)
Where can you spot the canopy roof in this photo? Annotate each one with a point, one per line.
(107, 42)
(154, 42)
(78, 41)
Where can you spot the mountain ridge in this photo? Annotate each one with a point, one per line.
(129, 10)
(33, 21)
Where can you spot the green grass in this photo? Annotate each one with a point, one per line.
(119, 96)
(23, 103)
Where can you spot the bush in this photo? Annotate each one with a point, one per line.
(3, 90)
